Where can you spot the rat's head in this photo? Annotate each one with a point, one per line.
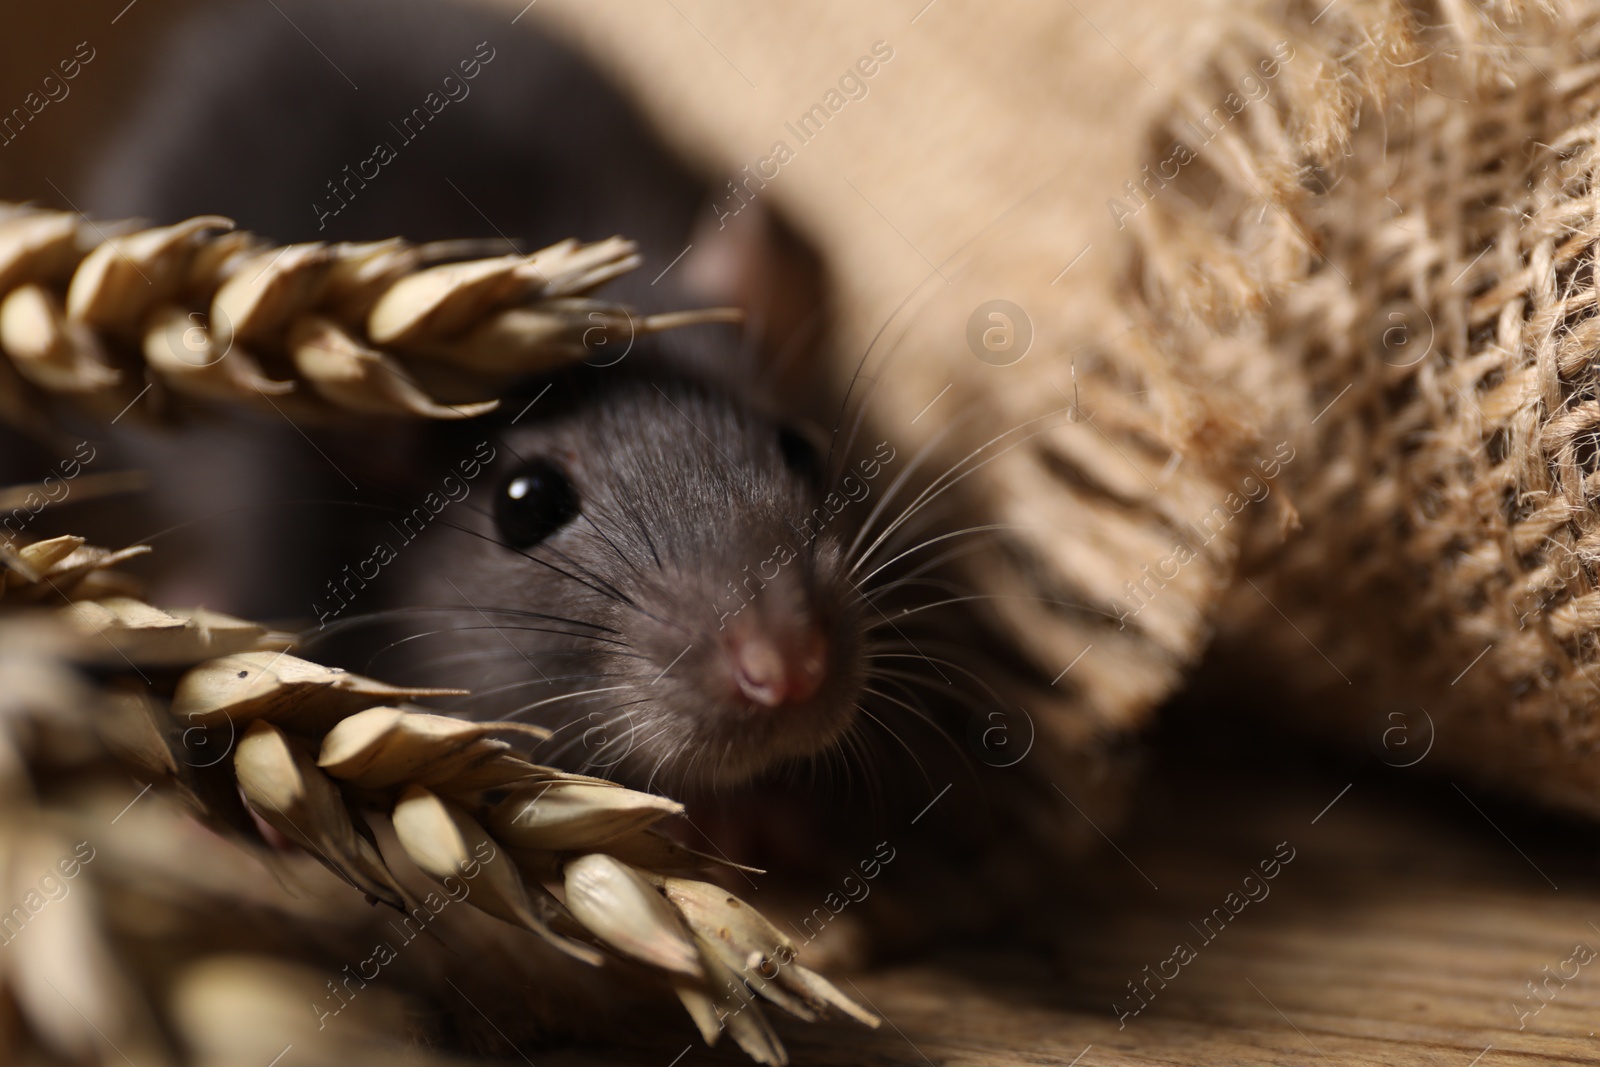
(654, 570)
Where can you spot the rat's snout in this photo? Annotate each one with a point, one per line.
(774, 668)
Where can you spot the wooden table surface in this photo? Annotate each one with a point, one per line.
(1405, 930)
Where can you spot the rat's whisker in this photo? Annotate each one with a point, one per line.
(490, 665)
(554, 756)
(935, 687)
(861, 411)
(372, 660)
(446, 524)
(925, 658)
(582, 513)
(495, 655)
(969, 597)
(586, 517)
(644, 532)
(915, 709)
(590, 579)
(934, 562)
(925, 451)
(917, 760)
(771, 370)
(502, 630)
(509, 629)
(527, 683)
(970, 702)
(634, 745)
(908, 676)
(848, 747)
(264, 505)
(921, 581)
(524, 709)
(927, 543)
(950, 477)
(650, 782)
(371, 618)
(854, 753)
(686, 773)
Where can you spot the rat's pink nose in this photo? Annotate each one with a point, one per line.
(773, 673)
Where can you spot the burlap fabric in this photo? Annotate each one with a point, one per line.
(1418, 236)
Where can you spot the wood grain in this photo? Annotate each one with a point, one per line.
(1403, 932)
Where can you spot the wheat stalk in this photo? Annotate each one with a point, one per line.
(345, 771)
(198, 311)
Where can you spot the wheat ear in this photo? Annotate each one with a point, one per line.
(97, 685)
(98, 314)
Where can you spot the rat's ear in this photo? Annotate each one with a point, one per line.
(754, 260)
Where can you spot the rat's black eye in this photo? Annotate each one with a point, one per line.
(536, 501)
(799, 454)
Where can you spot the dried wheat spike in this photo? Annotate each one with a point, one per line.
(60, 569)
(97, 314)
(391, 798)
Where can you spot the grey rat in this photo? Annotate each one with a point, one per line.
(670, 482)
(655, 558)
